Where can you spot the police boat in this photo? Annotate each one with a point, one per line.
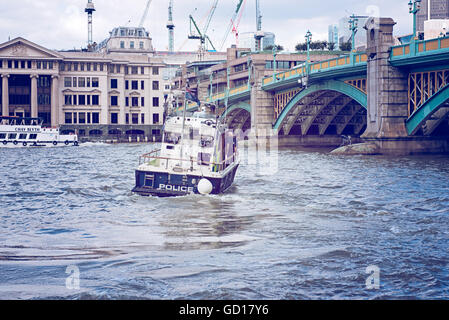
(198, 155)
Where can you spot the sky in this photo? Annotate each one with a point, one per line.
(62, 24)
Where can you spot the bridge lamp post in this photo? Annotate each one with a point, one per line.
(414, 8)
(353, 27)
(308, 41)
(274, 62)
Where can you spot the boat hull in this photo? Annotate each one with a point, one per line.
(38, 144)
(161, 184)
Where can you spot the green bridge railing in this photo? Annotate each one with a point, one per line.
(322, 66)
(419, 48)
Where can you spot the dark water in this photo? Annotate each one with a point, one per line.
(308, 232)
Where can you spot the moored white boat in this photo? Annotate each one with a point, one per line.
(16, 132)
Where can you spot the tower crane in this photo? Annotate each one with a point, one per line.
(228, 30)
(196, 33)
(145, 14)
(235, 29)
(259, 33)
(171, 28)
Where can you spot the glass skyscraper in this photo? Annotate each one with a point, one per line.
(432, 9)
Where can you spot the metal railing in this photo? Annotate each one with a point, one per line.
(420, 47)
(315, 67)
(219, 166)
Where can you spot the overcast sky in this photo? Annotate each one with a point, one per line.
(62, 24)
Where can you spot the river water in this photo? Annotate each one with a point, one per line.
(308, 231)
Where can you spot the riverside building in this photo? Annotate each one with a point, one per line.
(116, 93)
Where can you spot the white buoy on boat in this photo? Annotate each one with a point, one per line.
(205, 186)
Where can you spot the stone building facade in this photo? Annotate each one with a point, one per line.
(96, 94)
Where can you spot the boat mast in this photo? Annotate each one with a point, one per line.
(183, 123)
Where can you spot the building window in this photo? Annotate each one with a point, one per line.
(142, 85)
(114, 101)
(127, 118)
(88, 66)
(142, 102)
(82, 66)
(75, 118)
(135, 118)
(134, 70)
(141, 45)
(127, 101)
(122, 44)
(95, 82)
(114, 118)
(68, 118)
(95, 66)
(101, 67)
(81, 118)
(95, 117)
(142, 70)
(135, 102)
(155, 85)
(114, 84)
(68, 82)
(68, 100)
(155, 71)
(75, 66)
(126, 85)
(81, 82)
(155, 101)
(95, 100)
(142, 118)
(88, 97)
(155, 118)
(135, 85)
(82, 100)
(74, 81)
(88, 82)
(131, 44)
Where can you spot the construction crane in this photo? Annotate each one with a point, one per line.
(231, 24)
(196, 33)
(236, 24)
(145, 14)
(171, 28)
(259, 33)
(90, 9)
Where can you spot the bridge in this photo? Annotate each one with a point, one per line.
(396, 96)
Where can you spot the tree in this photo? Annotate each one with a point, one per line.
(331, 46)
(346, 46)
(270, 48)
(301, 47)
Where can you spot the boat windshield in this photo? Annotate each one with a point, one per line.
(172, 137)
(204, 115)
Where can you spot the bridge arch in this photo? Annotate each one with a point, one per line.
(431, 114)
(327, 103)
(238, 116)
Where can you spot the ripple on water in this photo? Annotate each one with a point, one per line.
(307, 232)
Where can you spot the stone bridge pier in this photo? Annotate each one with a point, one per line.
(387, 95)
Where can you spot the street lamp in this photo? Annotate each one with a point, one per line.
(274, 61)
(414, 8)
(308, 41)
(353, 26)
